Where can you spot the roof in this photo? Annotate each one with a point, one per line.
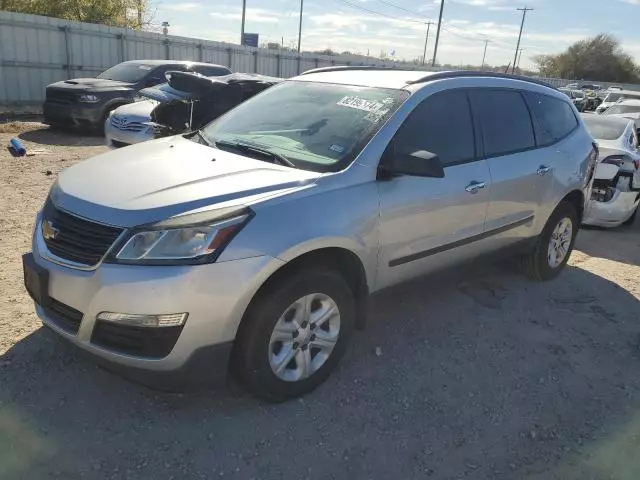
(613, 120)
(395, 78)
(630, 101)
(627, 92)
(171, 62)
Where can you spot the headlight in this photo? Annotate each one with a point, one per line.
(88, 98)
(173, 245)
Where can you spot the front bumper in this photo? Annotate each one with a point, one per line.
(612, 213)
(73, 115)
(215, 297)
(116, 138)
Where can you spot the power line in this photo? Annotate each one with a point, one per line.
(385, 2)
(375, 12)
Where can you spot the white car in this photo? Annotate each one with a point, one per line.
(616, 98)
(616, 188)
(129, 124)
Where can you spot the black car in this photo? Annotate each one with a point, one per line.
(86, 102)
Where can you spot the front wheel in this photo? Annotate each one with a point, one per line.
(294, 334)
(554, 245)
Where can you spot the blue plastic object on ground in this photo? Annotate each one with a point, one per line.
(17, 147)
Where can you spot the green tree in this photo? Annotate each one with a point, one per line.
(118, 13)
(599, 58)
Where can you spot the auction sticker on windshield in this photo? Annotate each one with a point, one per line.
(360, 104)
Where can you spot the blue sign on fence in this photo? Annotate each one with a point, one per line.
(250, 39)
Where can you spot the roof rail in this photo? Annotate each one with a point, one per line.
(472, 73)
(429, 76)
(339, 68)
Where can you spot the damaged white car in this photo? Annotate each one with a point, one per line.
(616, 188)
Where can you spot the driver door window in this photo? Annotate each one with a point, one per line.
(442, 125)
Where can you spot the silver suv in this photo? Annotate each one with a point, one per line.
(255, 242)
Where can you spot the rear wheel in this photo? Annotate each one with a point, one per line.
(554, 245)
(294, 334)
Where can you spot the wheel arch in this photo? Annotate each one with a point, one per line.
(575, 198)
(343, 260)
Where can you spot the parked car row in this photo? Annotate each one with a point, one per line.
(251, 243)
(86, 102)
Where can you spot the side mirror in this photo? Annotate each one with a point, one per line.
(420, 163)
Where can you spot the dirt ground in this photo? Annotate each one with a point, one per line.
(476, 374)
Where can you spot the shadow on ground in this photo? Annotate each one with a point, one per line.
(621, 244)
(480, 375)
(50, 136)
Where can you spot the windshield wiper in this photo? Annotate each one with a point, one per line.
(250, 148)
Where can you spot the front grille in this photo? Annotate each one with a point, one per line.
(76, 239)
(63, 316)
(145, 342)
(62, 97)
(121, 123)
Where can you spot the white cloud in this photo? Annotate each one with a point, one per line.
(252, 15)
(183, 7)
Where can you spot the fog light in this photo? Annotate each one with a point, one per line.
(138, 320)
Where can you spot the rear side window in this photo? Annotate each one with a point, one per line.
(554, 118)
(441, 124)
(504, 120)
(210, 71)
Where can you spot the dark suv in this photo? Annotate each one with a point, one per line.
(86, 102)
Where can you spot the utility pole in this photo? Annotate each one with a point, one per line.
(300, 26)
(484, 55)
(524, 15)
(519, 58)
(244, 12)
(424, 55)
(435, 50)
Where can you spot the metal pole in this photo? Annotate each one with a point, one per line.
(300, 26)
(244, 12)
(519, 58)
(435, 50)
(484, 55)
(524, 15)
(424, 55)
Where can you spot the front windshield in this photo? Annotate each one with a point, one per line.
(316, 126)
(127, 72)
(612, 97)
(616, 109)
(604, 128)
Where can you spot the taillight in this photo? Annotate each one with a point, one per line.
(637, 164)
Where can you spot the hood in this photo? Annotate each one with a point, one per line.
(136, 111)
(91, 84)
(156, 180)
(631, 116)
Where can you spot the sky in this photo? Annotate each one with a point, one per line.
(398, 27)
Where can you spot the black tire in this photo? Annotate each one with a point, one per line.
(536, 264)
(251, 351)
(629, 222)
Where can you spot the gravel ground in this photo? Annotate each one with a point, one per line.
(475, 374)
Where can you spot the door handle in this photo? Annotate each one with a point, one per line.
(543, 170)
(474, 187)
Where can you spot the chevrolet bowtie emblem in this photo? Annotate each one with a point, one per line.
(49, 232)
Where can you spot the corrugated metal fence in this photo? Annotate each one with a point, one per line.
(36, 51)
